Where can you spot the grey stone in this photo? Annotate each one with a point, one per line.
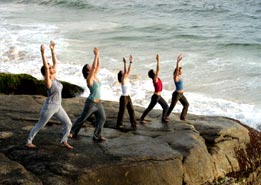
(201, 150)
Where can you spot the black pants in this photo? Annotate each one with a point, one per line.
(176, 96)
(125, 101)
(154, 100)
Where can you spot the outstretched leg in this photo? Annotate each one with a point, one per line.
(62, 116)
(153, 102)
(185, 104)
(131, 113)
(174, 100)
(121, 111)
(89, 108)
(165, 108)
(100, 120)
(46, 113)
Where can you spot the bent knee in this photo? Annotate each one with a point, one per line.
(102, 120)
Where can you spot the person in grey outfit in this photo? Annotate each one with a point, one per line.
(93, 103)
(52, 105)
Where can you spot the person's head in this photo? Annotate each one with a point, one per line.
(85, 70)
(151, 74)
(120, 73)
(52, 71)
(179, 71)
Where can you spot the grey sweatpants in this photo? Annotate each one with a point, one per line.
(47, 111)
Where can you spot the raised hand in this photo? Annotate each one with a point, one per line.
(130, 58)
(157, 57)
(179, 58)
(42, 48)
(96, 51)
(52, 45)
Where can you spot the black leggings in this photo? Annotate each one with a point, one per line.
(179, 97)
(125, 101)
(154, 100)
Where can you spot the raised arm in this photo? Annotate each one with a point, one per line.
(129, 68)
(176, 72)
(54, 59)
(157, 67)
(124, 66)
(96, 61)
(47, 79)
(98, 64)
(95, 66)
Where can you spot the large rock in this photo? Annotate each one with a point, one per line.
(26, 84)
(203, 150)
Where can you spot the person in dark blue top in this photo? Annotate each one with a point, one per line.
(93, 103)
(178, 93)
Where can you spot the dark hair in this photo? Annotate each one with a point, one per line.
(176, 70)
(120, 76)
(43, 70)
(85, 71)
(151, 74)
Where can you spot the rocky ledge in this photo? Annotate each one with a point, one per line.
(202, 150)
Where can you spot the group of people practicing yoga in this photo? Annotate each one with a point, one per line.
(93, 105)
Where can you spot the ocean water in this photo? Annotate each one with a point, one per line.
(220, 41)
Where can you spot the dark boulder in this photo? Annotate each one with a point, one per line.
(26, 84)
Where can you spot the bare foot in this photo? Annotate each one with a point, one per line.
(99, 140)
(143, 122)
(30, 145)
(134, 126)
(67, 145)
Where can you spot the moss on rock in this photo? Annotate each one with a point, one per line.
(26, 84)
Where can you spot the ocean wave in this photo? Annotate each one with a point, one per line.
(141, 91)
(240, 45)
(191, 36)
(80, 4)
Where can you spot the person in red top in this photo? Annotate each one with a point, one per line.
(156, 97)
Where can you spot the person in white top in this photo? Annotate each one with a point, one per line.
(125, 100)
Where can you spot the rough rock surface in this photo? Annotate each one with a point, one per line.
(201, 150)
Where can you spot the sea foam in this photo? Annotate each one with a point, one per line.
(142, 90)
(221, 68)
